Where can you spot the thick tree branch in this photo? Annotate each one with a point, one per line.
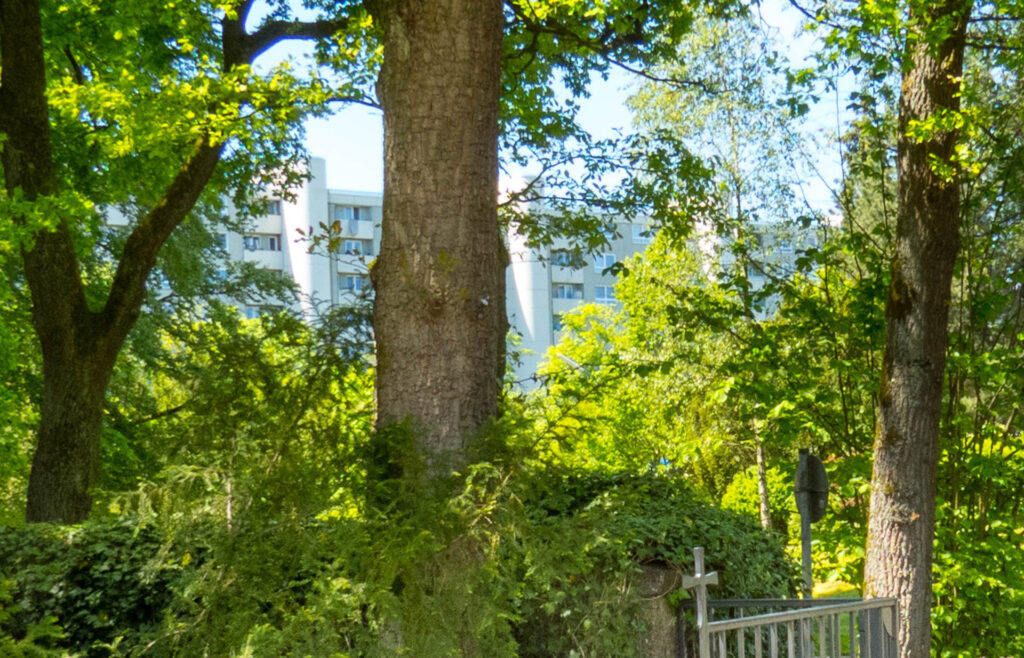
(273, 32)
(243, 9)
(128, 289)
(140, 250)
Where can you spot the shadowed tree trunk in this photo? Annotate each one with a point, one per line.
(439, 311)
(902, 518)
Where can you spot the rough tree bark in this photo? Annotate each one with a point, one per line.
(80, 344)
(439, 280)
(903, 484)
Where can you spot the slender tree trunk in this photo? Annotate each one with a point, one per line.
(439, 314)
(764, 506)
(901, 527)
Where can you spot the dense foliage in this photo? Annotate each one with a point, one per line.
(100, 582)
(245, 505)
(554, 568)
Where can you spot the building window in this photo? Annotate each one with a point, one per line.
(357, 248)
(604, 294)
(603, 262)
(274, 207)
(352, 283)
(221, 240)
(262, 242)
(608, 230)
(253, 312)
(642, 234)
(785, 246)
(567, 291)
(566, 258)
(556, 322)
(351, 213)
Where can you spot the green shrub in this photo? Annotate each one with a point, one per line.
(99, 581)
(742, 496)
(978, 568)
(37, 637)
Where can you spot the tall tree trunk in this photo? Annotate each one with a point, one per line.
(901, 527)
(439, 314)
(67, 450)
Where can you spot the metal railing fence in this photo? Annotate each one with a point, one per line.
(814, 628)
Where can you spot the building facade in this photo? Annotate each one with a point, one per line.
(542, 284)
(545, 284)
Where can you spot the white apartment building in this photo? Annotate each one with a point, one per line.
(276, 242)
(542, 284)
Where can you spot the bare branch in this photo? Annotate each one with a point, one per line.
(356, 100)
(672, 82)
(990, 46)
(158, 415)
(813, 17)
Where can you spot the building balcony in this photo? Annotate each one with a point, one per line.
(566, 275)
(268, 260)
(357, 228)
(565, 305)
(354, 264)
(267, 224)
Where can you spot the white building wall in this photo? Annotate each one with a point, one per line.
(325, 278)
(528, 304)
(311, 212)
